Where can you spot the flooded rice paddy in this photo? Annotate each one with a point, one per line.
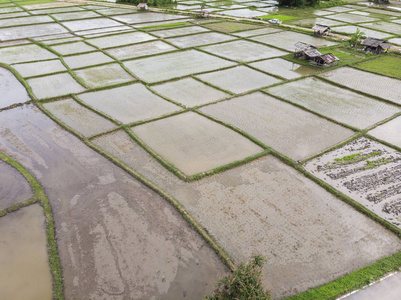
(24, 272)
(336, 103)
(183, 94)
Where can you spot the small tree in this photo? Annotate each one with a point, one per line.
(356, 38)
(243, 284)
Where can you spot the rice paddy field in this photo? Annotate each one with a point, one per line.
(172, 148)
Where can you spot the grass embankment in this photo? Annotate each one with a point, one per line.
(40, 197)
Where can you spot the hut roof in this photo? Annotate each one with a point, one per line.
(373, 42)
(304, 46)
(142, 5)
(329, 58)
(320, 27)
(312, 53)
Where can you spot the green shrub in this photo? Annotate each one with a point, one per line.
(243, 284)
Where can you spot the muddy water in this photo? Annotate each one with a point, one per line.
(24, 271)
(13, 186)
(12, 91)
(389, 132)
(283, 68)
(116, 238)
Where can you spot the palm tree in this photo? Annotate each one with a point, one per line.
(356, 38)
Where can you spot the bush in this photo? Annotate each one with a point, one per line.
(243, 284)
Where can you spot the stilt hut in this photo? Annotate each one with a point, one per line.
(376, 46)
(324, 60)
(301, 48)
(321, 30)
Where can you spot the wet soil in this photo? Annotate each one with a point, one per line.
(24, 272)
(13, 186)
(117, 239)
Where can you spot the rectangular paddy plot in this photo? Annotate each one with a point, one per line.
(200, 39)
(239, 79)
(189, 92)
(283, 68)
(282, 126)
(368, 32)
(179, 31)
(56, 10)
(385, 26)
(351, 18)
(79, 118)
(121, 39)
(368, 172)
(25, 21)
(167, 66)
(128, 104)
(102, 76)
(231, 26)
(389, 132)
(287, 39)
(339, 104)
(76, 15)
(243, 51)
(257, 32)
(54, 85)
(24, 53)
(377, 85)
(245, 13)
(21, 32)
(90, 24)
(143, 49)
(147, 17)
(254, 209)
(72, 48)
(195, 144)
(84, 60)
(39, 68)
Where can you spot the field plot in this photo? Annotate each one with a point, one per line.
(79, 118)
(283, 68)
(57, 10)
(109, 11)
(103, 75)
(245, 13)
(200, 39)
(334, 102)
(25, 21)
(377, 85)
(195, 144)
(158, 68)
(73, 48)
(231, 26)
(280, 125)
(179, 31)
(189, 92)
(76, 15)
(385, 26)
(14, 187)
(25, 271)
(368, 172)
(91, 33)
(90, 24)
(311, 22)
(121, 39)
(39, 68)
(21, 32)
(389, 132)
(85, 60)
(386, 65)
(287, 39)
(129, 104)
(243, 51)
(254, 32)
(12, 91)
(148, 17)
(351, 18)
(239, 79)
(368, 32)
(133, 51)
(396, 41)
(255, 207)
(54, 85)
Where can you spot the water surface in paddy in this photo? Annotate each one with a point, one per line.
(12, 91)
(24, 271)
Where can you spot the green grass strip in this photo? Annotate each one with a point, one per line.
(353, 281)
(40, 197)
